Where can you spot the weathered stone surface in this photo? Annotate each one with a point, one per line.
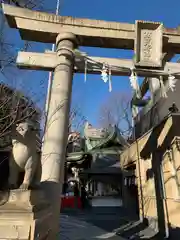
(145, 84)
(148, 44)
(44, 27)
(56, 132)
(26, 215)
(24, 157)
(48, 61)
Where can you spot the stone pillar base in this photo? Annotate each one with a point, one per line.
(25, 216)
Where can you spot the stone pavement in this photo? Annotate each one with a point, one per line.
(79, 228)
(91, 225)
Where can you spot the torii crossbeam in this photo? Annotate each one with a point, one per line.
(48, 61)
(90, 32)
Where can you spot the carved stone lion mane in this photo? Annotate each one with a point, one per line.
(24, 157)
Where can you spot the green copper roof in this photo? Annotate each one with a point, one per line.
(112, 135)
(107, 142)
(75, 156)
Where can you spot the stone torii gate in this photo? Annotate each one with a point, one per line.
(149, 40)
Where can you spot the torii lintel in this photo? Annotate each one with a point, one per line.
(48, 61)
(44, 27)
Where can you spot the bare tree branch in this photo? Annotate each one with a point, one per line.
(14, 108)
(7, 48)
(76, 119)
(116, 110)
(31, 4)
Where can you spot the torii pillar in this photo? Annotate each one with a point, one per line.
(56, 132)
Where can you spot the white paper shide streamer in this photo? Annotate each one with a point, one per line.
(85, 71)
(135, 86)
(133, 80)
(162, 87)
(172, 82)
(106, 75)
(134, 83)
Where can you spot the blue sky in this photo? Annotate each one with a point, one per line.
(90, 95)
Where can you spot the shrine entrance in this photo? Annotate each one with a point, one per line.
(153, 45)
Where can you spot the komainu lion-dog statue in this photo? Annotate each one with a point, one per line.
(24, 157)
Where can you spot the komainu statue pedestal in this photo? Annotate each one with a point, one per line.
(25, 215)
